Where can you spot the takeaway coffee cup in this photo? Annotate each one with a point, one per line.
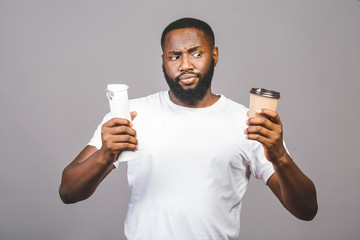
(261, 98)
(119, 107)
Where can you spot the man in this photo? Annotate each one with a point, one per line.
(196, 151)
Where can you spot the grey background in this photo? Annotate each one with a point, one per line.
(56, 58)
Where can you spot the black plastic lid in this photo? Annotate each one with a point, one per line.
(265, 93)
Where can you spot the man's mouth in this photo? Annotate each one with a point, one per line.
(188, 78)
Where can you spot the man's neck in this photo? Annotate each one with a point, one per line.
(208, 100)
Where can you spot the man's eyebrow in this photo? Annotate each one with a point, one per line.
(193, 49)
(175, 52)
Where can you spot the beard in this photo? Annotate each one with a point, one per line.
(193, 95)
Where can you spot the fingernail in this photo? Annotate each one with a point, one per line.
(259, 111)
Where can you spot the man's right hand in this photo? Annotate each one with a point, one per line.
(82, 176)
(117, 136)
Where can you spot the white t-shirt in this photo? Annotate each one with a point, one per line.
(192, 170)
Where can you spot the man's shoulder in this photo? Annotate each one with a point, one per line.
(147, 101)
(152, 96)
(235, 105)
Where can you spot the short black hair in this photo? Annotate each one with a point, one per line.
(189, 23)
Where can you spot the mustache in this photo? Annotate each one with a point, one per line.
(198, 75)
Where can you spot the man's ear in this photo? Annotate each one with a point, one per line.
(215, 54)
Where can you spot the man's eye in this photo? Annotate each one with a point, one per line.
(174, 57)
(197, 54)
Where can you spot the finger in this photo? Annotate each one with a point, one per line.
(124, 146)
(117, 122)
(123, 139)
(270, 114)
(247, 114)
(133, 115)
(266, 142)
(261, 121)
(265, 128)
(121, 130)
(258, 130)
(256, 137)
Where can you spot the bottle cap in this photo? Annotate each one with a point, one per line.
(116, 91)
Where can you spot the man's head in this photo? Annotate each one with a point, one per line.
(190, 23)
(189, 58)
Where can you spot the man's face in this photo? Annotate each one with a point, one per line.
(188, 64)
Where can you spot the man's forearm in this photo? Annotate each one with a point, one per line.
(81, 178)
(297, 191)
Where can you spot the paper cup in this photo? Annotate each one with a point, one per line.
(261, 98)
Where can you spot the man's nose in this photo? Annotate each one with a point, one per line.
(186, 64)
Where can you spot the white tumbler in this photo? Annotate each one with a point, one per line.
(119, 107)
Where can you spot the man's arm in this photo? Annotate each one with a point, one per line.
(290, 185)
(83, 175)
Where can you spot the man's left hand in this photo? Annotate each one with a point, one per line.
(267, 130)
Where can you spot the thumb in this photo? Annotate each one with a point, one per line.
(133, 115)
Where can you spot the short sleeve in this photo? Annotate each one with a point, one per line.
(96, 139)
(260, 167)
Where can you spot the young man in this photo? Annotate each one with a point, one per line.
(196, 151)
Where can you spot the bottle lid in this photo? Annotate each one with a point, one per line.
(116, 91)
(265, 93)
